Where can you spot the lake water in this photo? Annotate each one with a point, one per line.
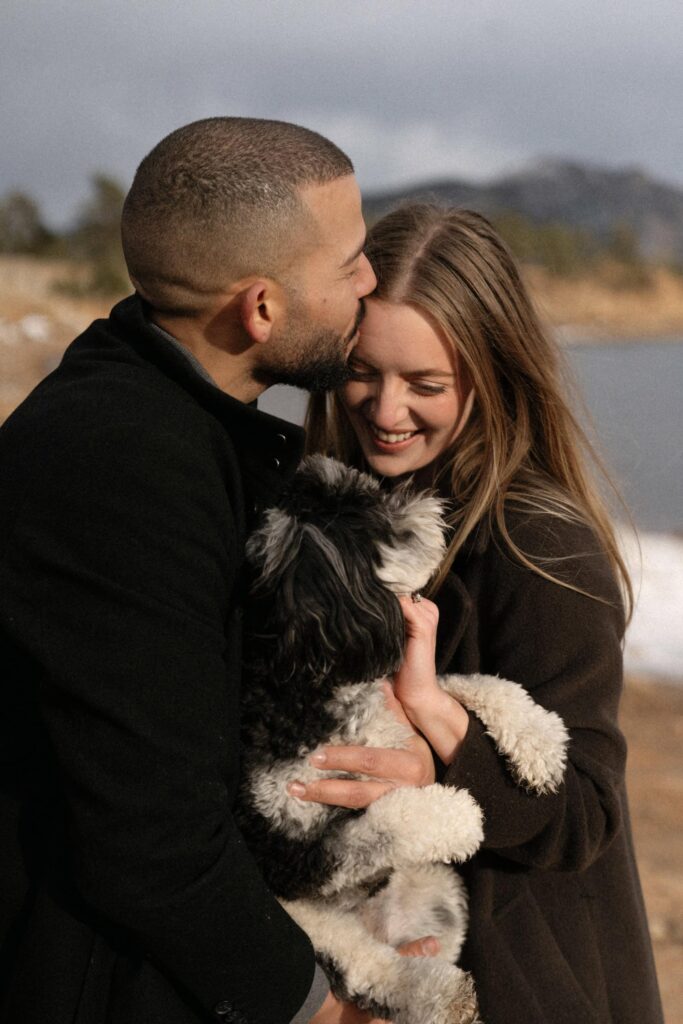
(634, 397)
(634, 394)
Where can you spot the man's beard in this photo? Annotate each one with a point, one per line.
(309, 357)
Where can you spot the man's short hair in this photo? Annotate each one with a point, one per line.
(218, 200)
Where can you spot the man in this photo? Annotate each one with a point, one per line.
(130, 479)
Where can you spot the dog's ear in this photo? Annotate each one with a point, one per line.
(417, 545)
(317, 609)
(272, 547)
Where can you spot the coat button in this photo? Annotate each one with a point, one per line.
(227, 1014)
(281, 440)
(275, 463)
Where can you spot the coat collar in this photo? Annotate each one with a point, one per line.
(268, 448)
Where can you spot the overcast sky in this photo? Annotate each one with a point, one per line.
(411, 89)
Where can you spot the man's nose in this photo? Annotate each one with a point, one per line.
(366, 281)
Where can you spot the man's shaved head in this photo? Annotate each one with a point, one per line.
(219, 200)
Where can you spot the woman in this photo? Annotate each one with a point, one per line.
(455, 384)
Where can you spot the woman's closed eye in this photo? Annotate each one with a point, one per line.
(425, 388)
(421, 387)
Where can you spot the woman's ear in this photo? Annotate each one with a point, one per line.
(261, 306)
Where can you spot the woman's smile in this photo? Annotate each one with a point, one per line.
(396, 440)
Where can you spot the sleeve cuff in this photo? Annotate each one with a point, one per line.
(511, 813)
(317, 995)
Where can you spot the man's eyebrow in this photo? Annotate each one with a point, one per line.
(355, 255)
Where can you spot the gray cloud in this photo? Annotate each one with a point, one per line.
(411, 89)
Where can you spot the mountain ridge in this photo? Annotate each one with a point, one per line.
(581, 195)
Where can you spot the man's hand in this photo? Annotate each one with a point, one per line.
(387, 768)
(334, 1012)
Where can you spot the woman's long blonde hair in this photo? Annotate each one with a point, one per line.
(521, 446)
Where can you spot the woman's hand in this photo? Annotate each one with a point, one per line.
(387, 768)
(415, 683)
(334, 1012)
(437, 715)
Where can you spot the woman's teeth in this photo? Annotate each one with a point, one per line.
(391, 438)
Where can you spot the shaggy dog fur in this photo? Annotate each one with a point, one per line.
(324, 626)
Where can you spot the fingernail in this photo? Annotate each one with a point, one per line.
(296, 789)
(319, 758)
(431, 946)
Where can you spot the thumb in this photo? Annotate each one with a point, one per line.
(428, 946)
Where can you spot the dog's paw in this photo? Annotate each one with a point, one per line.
(430, 824)
(532, 739)
(428, 991)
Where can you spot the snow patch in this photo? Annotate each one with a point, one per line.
(654, 639)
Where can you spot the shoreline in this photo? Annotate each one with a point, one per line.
(585, 311)
(571, 336)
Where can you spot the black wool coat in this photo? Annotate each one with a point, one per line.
(127, 895)
(558, 932)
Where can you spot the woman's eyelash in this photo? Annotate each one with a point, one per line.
(430, 389)
(427, 389)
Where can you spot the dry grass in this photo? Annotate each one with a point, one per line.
(586, 309)
(28, 286)
(36, 323)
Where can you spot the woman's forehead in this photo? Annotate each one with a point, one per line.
(404, 338)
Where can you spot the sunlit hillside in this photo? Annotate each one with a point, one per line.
(37, 321)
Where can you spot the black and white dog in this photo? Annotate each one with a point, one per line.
(324, 627)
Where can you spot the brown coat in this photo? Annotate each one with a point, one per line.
(558, 932)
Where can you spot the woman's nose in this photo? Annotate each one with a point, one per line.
(387, 406)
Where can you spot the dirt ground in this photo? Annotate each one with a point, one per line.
(652, 719)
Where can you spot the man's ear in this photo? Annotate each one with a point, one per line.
(261, 306)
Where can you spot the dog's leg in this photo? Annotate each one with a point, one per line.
(531, 738)
(405, 990)
(427, 900)
(405, 827)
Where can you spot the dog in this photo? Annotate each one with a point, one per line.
(323, 629)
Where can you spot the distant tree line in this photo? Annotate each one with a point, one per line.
(93, 242)
(566, 251)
